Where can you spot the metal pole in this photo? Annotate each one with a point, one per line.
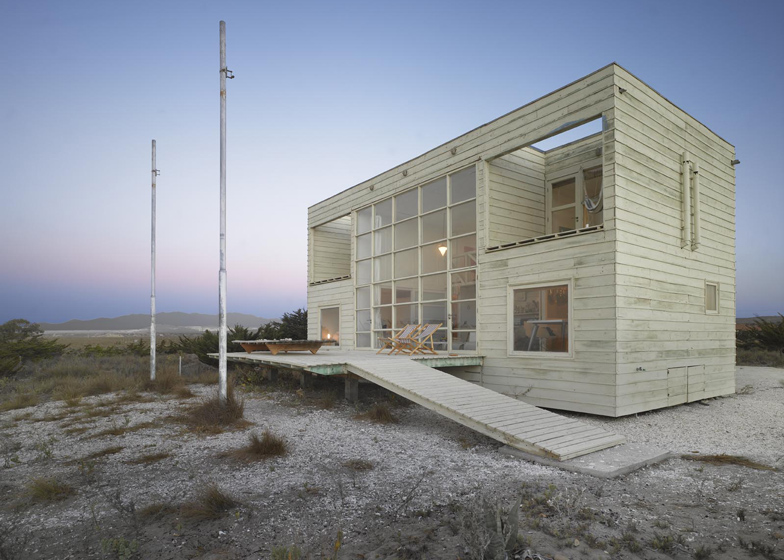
(153, 339)
(222, 334)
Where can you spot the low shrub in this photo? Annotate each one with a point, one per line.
(47, 489)
(260, 448)
(379, 413)
(210, 503)
(211, 414)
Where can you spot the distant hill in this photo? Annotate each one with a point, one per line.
(162, 320)
(749, 320)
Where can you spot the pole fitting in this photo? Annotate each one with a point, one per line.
(229, 73)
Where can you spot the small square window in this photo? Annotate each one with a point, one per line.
(711, 297)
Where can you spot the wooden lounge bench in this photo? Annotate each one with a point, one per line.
(275, 346)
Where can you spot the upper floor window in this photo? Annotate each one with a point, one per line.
(575, 201)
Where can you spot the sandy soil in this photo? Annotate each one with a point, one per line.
(419, 488)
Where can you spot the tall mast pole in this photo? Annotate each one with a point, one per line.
(222, 334)
(153, 339)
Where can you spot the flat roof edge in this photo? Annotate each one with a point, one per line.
(603, 68)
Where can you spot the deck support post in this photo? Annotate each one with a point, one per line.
(352, 388)
(272, 374)
(305, 380)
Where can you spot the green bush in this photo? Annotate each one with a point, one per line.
(21, 340)
(762, 335)
(293, 325)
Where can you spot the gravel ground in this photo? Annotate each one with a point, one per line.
(422, 491)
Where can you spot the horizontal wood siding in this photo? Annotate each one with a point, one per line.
(662, 321)
(584, 382)
(577, 102)
(516, 197)
(333, 294)
(573, 155)
(331, 250)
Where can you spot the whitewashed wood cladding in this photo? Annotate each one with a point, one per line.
(331, 250)
(663, 326)
(638, 298)
(332, 294)
(515, 197)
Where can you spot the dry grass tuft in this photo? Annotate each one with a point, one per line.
(210, 503)
(211, 415)
(267, 446)
(150, 458)
(47, 490)
(167, 382)
(722, 460)
(157, 509)
(104, 452)
(379, 413)
(20, 400)
(358, 465)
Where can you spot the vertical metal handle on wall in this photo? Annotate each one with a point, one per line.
(686, 199)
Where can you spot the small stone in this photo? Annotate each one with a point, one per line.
(560, 557)
(576, 543)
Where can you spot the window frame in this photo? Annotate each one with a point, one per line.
(718, 305)
(576, 173)
(321, 321)
(511, 352)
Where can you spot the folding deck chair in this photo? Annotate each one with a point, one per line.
(421, 342)
(389, 341)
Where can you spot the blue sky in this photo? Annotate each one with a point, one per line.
(326, 95)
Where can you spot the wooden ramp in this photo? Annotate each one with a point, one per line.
(503, 418)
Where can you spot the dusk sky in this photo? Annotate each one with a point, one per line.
(326, 95)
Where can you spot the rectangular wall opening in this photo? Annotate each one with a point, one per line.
(330, 257)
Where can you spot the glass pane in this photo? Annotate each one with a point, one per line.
(540, 319)
(330, 324)
(463, 251)
(439, 339)
(383, 214)
(364, 220)
(462, 185)
(382, 317)
(434, 226)
(592, 184)
(464, 285)
(363, 340)
(406, 315)
(382, 294)
(363, 298)
(363, 246)
(464, 315)
(434, 195)
(434, 313)
(363, 320)
(383, 239)
(434, 287)
(406, 205)
(382, 268)
(434, 257)
(407, 290)
(406, 234)
(464, 218)
(711, 292)
(563, 192)
(363, 272)
(378, 336)
(406, 263)
(464, 340)
(563, 220)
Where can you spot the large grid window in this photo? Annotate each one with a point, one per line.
(416, 263)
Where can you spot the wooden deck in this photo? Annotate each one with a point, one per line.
(508, 420)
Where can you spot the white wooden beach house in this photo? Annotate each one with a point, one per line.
(596, 276)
